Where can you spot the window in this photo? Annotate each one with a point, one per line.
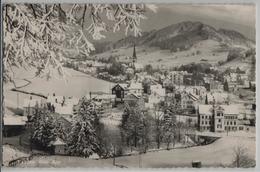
(206, 116)
(219, 120)
(202, 122)
(227, 123)
(205, 122)
(235, 123)
(230, 122)
(202, 116)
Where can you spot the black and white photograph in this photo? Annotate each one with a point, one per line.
(131, 85)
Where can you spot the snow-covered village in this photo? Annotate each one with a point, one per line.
(163, 88)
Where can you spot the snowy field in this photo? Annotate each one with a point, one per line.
(146, 55)
(218, 153)
(11, 153)
(78, 84)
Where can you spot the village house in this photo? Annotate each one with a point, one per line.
(218, 118)
(104, 101)
(120, 90)
(213, 85)
(157, 94)
(13, 124)
(58, 147)
(136, 88)
(198, 91)
(236, 80)
(177, 77)
(187, 101)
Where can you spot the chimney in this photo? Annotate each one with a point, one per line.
(90, 95)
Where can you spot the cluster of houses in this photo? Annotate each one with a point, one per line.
(207, 99)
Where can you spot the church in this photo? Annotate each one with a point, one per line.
(135, 65)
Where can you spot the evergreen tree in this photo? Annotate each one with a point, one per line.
(83, 140)
(226, 88)
(206, 100)
(44, 131)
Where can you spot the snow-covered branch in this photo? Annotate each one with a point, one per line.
(39, 35)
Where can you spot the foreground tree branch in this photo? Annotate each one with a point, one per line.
(42, 35)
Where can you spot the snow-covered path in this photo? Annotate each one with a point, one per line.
(215, 154)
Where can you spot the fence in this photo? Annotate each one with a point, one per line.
(21, 160)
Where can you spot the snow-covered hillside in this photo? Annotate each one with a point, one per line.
(11, 153)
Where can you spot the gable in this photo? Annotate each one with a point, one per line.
(117, 87)
(131, 97)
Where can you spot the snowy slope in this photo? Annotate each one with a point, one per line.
(11, 153)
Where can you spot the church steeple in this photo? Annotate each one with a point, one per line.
(134, 55)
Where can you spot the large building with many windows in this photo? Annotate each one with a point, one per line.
(218, 118)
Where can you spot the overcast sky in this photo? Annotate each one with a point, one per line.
(235, 17)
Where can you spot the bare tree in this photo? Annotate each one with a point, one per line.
(159, 121)
(43, 35)
(241, 159)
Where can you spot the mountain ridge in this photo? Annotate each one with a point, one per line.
(180, 37)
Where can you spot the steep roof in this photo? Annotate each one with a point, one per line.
(135, 86)
(205, 109)
(58, 141)
(123, 86)
(228, 109)
(231, 109)
(104, 96)
(131, 97)
(14, 120)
